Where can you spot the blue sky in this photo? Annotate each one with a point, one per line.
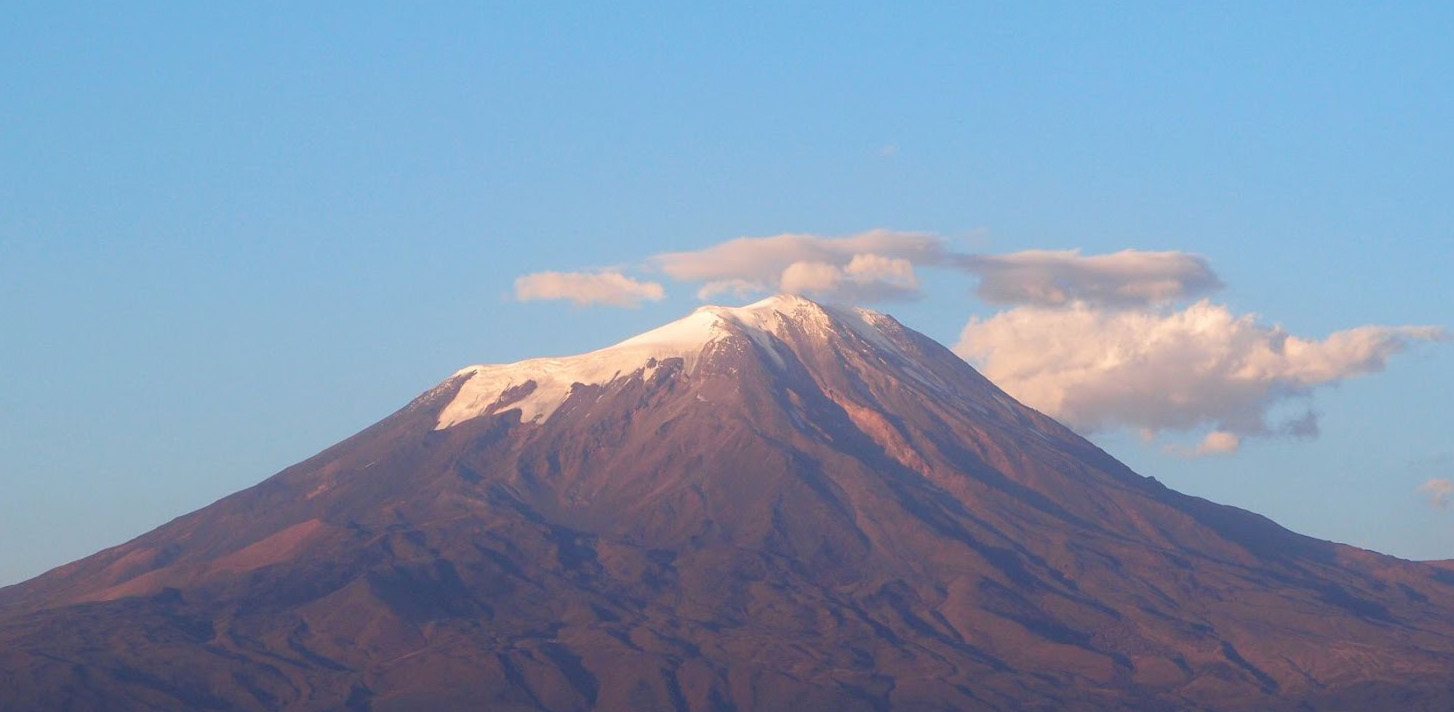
(231, 236)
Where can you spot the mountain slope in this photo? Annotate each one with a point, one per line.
(778, 506)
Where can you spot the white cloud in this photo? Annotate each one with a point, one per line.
(869, 266)
(1439, 490)
(1060, 277)
(865, 278)
(1217, 442)
(583, 288)
(1162, 370)
(877, 268)
(810, 277)
(879, 265)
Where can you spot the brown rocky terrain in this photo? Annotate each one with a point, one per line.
(786, 507)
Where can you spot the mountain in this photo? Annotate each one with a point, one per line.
(783, 506)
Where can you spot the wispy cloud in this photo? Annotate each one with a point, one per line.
(585, 288)
(1438, 490)
(879, 265)
(1217, 442)
(882, 265)
(871, 266)
(1128, 278)
(1171, 370)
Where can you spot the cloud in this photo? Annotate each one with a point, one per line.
(1217, 442)
(1060, 277)
(824, 267)
(870, 266)
(1214, 443)
(866, 277)
(810, 276)
(1167, 370)
(1439, 490)
(880, 265)
(584, 288)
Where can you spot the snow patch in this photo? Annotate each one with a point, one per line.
(492, 388)
(553, 378)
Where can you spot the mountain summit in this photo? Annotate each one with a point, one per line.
(778, 506)
(765, 323)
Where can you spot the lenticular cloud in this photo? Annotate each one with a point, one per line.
(871, 266)
(584, 288)
(1062, 277)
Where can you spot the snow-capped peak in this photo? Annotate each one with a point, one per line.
(685, 338)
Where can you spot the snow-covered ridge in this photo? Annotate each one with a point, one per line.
(684, 338)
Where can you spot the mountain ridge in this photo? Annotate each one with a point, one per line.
(806, 515)
(550, 379)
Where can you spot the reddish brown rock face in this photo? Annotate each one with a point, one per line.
(815, 510)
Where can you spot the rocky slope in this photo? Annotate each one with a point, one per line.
(781, 506)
